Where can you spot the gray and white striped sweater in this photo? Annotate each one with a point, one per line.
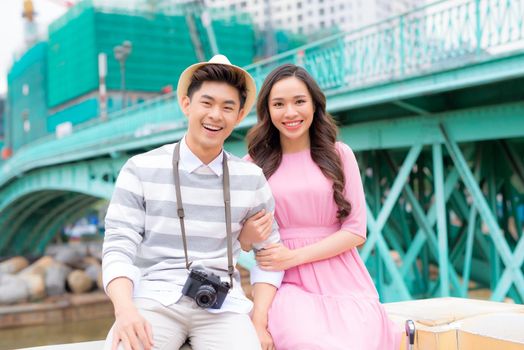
(143, 239)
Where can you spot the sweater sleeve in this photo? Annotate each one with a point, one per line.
(124, 227)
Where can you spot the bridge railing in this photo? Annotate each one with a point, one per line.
(440, 36)
(95, 138)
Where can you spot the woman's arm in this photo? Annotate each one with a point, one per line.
(263, 294)
(276, 257)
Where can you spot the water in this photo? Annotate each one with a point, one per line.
(56, 333)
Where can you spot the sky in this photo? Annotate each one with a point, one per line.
(12, 30)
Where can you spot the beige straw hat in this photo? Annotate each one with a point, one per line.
(185, 80)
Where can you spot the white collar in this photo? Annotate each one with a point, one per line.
(190, 162)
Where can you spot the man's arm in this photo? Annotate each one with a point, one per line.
(256, 229)
(130, 327)
(124, 229)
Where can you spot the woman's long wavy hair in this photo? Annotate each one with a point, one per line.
(264, 139)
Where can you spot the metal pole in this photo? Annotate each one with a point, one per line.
(121, 54)
(123, 82)
(102, 87)
(440, 205)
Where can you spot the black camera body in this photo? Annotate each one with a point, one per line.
(206, 289)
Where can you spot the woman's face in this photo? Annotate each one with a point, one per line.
(291, 110)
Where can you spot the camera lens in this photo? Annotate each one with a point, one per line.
(206, 296)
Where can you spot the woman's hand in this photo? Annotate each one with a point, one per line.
(277, 257)
(266, 341)
(256, 229)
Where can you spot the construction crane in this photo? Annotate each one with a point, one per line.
(29, 13)
(197, 8)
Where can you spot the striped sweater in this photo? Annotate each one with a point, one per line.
(143, 239)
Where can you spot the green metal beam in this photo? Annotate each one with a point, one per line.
(447, 80)
(468, 255)
(475, 124)
(480, 202)
(44, 220)
(400, 181)
(440, 204)
(11, 229)
(70, 214)
(426, 233)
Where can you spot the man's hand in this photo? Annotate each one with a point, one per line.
(132, 330)
(256, 229)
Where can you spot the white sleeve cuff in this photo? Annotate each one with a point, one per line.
(257, 275)
(120, 269)
(273, 238)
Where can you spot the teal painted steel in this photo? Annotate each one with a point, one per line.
(70, 215)
(24, 208)
(328, 53)
(430, 39)
(475, 124)
(441, 219)
(375, 225)
(488, 217)
(52, 211)
(468, 254)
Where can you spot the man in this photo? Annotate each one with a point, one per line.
(153, 240)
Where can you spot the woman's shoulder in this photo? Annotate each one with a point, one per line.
(344, 149)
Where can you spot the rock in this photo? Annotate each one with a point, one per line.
(95, 250)
(93, 271)
(38, 267)
(35, 284)
(55, 279)
(100, 281)
(14, 265)
(89, 260)
(71, 255)
(79, 282)
(12, 289)
(52, 249)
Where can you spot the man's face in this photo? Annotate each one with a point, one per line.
(213, 112)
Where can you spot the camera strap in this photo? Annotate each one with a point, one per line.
(227, 206)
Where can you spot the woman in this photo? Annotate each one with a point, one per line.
(327, 299)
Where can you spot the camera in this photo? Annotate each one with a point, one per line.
(206, 288)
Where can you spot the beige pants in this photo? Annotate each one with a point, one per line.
(173, 324)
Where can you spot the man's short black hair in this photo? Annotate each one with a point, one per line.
(219, 73)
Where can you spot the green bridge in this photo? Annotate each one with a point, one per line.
(431, 101)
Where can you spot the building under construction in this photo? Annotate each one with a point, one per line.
(59, 82)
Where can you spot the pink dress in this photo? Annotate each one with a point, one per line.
(330, 304)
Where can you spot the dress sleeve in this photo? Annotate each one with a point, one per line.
(353, 191)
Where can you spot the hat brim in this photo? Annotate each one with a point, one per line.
(185, 80)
